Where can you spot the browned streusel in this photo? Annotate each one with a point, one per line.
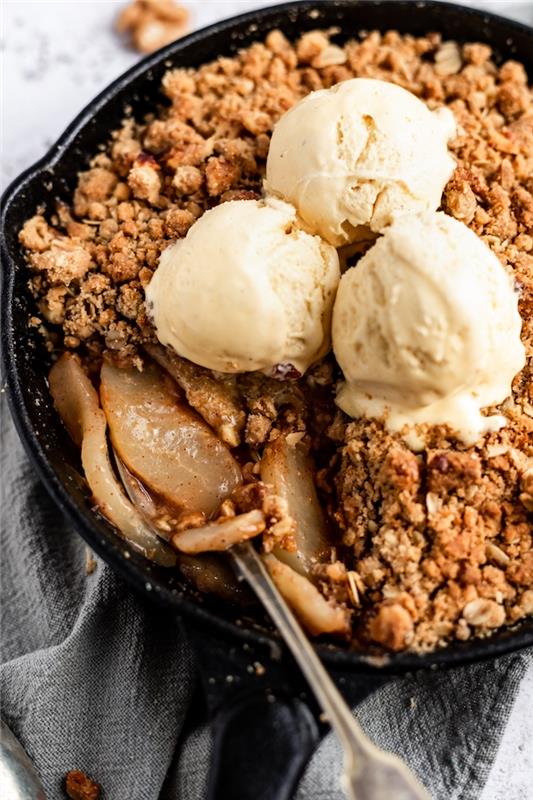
(280, 525)
(434, 532)
(436, 545)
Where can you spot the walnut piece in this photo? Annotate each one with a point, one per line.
(448, 59)
(330, 56)
(151, 24)
(484, 613)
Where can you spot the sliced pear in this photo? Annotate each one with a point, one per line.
(222, 535)
(316, 614)
(77, 403)
(75, 398)
(288, 469)
(164, 443)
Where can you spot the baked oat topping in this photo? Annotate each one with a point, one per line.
(432, 546)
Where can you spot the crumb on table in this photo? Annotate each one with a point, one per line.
(90, 561)
(151, 24)
(79, 786)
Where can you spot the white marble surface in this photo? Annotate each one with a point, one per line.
(56, 56)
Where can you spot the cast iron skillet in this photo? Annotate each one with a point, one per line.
(280, 736)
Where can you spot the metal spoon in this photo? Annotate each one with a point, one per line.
(368, 772)
(18, 778)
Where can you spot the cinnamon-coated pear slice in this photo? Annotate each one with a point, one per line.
(76, 400)
(163, 442)
(288, 469)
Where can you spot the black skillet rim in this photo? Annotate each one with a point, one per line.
(344, 660)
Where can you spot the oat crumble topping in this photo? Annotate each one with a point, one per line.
(433, 546)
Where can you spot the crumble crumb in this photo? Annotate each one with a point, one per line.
(90, 561)
(392, 627)
(151, 24)
(144, 180)
(79, 786)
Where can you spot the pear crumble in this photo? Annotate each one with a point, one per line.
(430, 546)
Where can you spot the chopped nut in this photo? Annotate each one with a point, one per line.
(433, 503)
(292, 439)
(495, 450)
(151, 24)
(462, 632)
(310, 45)
(527, 500)
(484, 613)
(336, 572)
(329, 56)
(448, 59)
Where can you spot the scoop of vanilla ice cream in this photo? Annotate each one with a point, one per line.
(358, 155)
(246, 290)
(426, 329)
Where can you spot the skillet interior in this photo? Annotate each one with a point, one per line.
(42, 433)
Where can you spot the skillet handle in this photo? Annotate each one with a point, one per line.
(265, 723)
(261, 745)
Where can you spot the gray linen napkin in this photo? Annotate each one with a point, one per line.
(94, 678)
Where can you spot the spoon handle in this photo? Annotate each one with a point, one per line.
(369, 773)
(18, 778)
